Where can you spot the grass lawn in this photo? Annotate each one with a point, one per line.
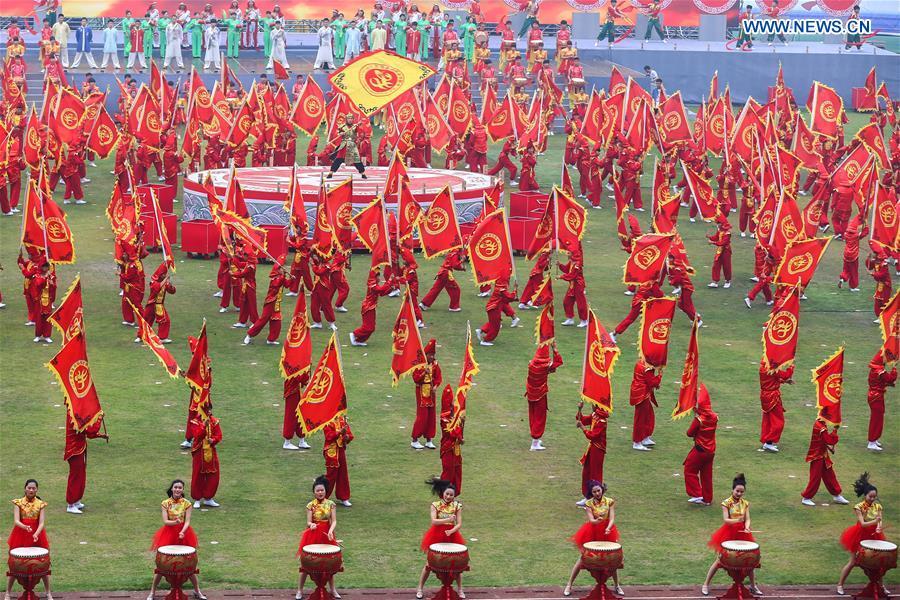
(519, 505)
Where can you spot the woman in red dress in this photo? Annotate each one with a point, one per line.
(176, 530)
(868, 524)
(446, 519)
(736, 527)
(28, 528)
(599, 527)
(321, 519)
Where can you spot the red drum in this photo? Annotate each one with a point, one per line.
(176, 560)
(28, 564)
(321, 558)
(877, 555)
(448, 558)
(737, 554)
(601, 555)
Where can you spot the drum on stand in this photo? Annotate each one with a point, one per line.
(739, 558)
(447, 561)
(875, 558)
(28, 565)
(602, 560)
(177, 564)
(321, 562)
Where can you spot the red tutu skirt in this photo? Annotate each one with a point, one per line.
(595, 532)
(856, 533)
(319, 535)
(729, 532)
(19, 538)
(167, 535)
(436, 535)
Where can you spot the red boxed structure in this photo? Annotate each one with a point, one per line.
(522, 231)
(527, 204)
(276, 240)
(151, 234)
(199, 237)
(861, 100)
(165, 195)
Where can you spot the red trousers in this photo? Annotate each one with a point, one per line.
(722, 262)
(503, 162)
(342, 288)
(575, 296)
(15, 192)
(530, 288)
(73, 187)
(267, 316)
(320, 303)
(443, 282)
(592, 469)
(876, 419)
(537, 417)
(338, 478)
(686, 303)
(4, 200)
(772, 425)
(479, 162)
(491, 328)
(231, 292)
(820, 473)
(77, 478)
(632, 315)
(367, 328)
(698, 474)
(136, 295)
(249, 312)
(290, 426)
(840, 216)
(761, 286)
(42, 326)
(203, 485)
(451, 470)
(163, 320)
(644, 421)
(631, 194)
(424, 425)
(745, 219)
(850, 272)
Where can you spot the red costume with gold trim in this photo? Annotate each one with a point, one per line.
(594, 429)
(337, 436)
(821, 468)
(75, 454)
(206, 435)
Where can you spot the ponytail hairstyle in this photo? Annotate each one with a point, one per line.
(739, 479)
(439, 486)
(862, 486)
(320, 480)
(35, 482)
(171, 485)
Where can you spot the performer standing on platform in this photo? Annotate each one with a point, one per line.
(736, 517)
(745, 40)
(530, 8)
(446, 520)
(176, 530)
(821, 468)
(774, 12)
(321, 520)
(348, 149)
(880, 378)
(868, 525)
(853, 39)
(337, 436)
(609, 24)
(698, 466)
(428, 379)
(653, 24)
(536, 390)
(594, 428)
(28, 528)
(76, 455)
(599, 527)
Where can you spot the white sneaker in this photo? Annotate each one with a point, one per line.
(692, 220)
(218, 294)
(79, 504)
(612, 336)
(754, 279)
(340, 309)
(247, 340)
(185, 444)
(48, 340)
(128, 323)
(568, 322)
(83, 180)
(223, 309)
(676, 291)
(166, 341)
(486, 343)
(537, 446)
(770, 447)
(854, 289)
(629, 293)
(71, 508)
(807, 502)
(196, 504)
(422, 306)
(239, 326)
(478, 334)
(583, 324)
(840, 500)
(272, 343)
(522, 306)
(287, 445)
(315, 326)
(712, 284)
(430, 445)
(581, 502)
(695, 500)
(80, 202)
(639, 446)
(873, 446)
(420, 324)
(748, 302)
(394, 293)
(36, 340)
(515, 322)
(333, 326)
(353, 341)
(29, 323)
(303, 444)
(211, 503)
(454, 309)
(415, 445)
(743, 234)
(727, 285)
(484, 294)
(345, 502)
(290, 293)
(93, 164)
(647, 441)
(878, 442)
(803, 297)
(770, 302)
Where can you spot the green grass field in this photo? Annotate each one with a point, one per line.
(519, 505)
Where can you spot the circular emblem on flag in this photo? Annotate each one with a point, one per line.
(853, 169)
(645, 257)
(123, 229)
(833, 387)
(312, 106)
(400, 337)
(714, 7)
(245, 124)
(153, 123)
(75, 325)
(204, 370)
(297, 332)
(105, 134)
(80, 378)
(659, 330)
(644, 8)
(764, 225)
(410, 212)
(672, 121)
(800, 263)
(69, 118)
(203, 98)
(34, 140)
(223, 107)
(828, 111)
(789, 229)
(405, 112)
(322, 221)
(56, 230)
(635, 104)
(379, 79)
(280, 112)
(572, 220)
(595, 118)
(436, 221)
(91, 112)
(432, 124)
(718, 125)
(782, 327)
(343, 214)
(488, 247)
(888, 214)
(443, 102)
(596, 358)
(390, 129)
(318, 389)
(499, 118)
(373, 234)
(544, 229)
(460, 110)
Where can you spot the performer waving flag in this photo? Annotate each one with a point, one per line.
(296, 356)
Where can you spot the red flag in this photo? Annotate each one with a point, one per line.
(241, 125)
(439, 226)
(501, 124)
(743, 135)
(70, 365)
(322, 234)
(637, 134)
(371, 227)
(280, 71)
(488, 104)
(69, 314)
(157, 85)
(665, 203)
(324, 398)
(408, 212)
(68, 116)
(200, 100)
(436, 126)
(826, 108)
(889, 321)
(656, 324)
(804, 145)
(673, 121)
(544, 327)
(31, 150)
(396, 173)
(635, 95)
(787, 226)
(848, 171)
(648, 257)
(869, 100)
(123, 214)
(490, 251)
(459, 113)
(241, 229)
(593, 118)
(543, 236)
(339, 210)
(199, 374)
(800, 261)
(781, 332)
(690, 376)
(600, 356)
(701, 192)
(616, 82)
(151, 339)
(871, 137)
(571, 221)
(144, 119)
(717, 126)
(885, 228)
(470, 367)
(296, 354)
(713, 87)
(566, 182)
(104, 136)
(295, 208)
(407, 352)
(829, 381)
(45, 227)
(309, 109)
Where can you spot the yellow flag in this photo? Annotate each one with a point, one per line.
(375, 79)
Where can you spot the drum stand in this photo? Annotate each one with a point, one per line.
(176, 579)
(321, 579)
(448, 578)
(28, 582)
(738, 589)
(874, 589)
(601, 591)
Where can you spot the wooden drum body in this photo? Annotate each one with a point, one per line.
(601, 555)
(738, 554)
(877, 554)
(177, 564)
(28, 565)
(448, 558)
(321, 558)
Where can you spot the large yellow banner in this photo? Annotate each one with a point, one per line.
(374, 79)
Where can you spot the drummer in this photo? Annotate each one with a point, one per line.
(599, 527)
(736, 517)
(321, 519)
(446, 520)
(867, 527)
(176, 530)
(28, 529)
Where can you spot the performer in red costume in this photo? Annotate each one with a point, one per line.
(451, 442)
(446, 521)
(736, 517)
(155, 310)
(76, 455)
(721, 239)
(881, 377)
(770, 381)
(320, 297)
(321, 521)
(535, 279)
(856, 230)
(374, 289)
(176, 530)
(497, 305)
(536, 390)
(573, 272)
(244, 274)
(337, 436)
(206, 434)
(646, 379)
(427, 379)
(868, 526)
(527, 181)
(444, 280)
(644, 291)
(504, 161)
(698, 466)
(132, 282)
(599, 527)
(42, 291)
(299, 265)
(279, 279)
(877, 266)
(594, 428)
(29, 528)
(821, 468)
(290, 426)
